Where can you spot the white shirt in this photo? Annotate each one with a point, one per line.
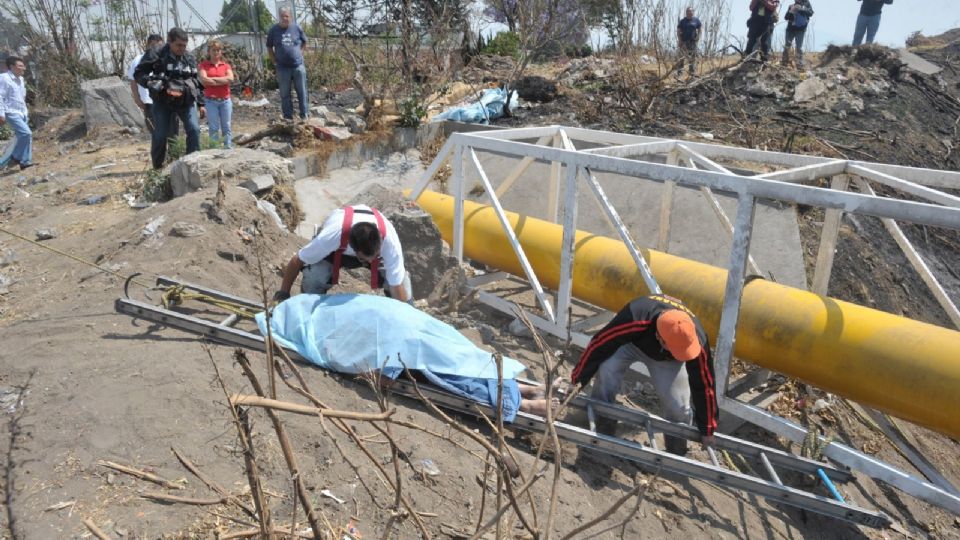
(144, 93)
(13, 94)
(328, 241)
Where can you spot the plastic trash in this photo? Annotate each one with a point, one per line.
(429, 467)
(329, 494)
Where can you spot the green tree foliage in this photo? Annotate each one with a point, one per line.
(235, 16)
(504, 44)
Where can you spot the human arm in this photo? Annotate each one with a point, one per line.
(303, 38)
(144, 72)
(4, 89)
(805, 9)
(270, 44)
(622, 329)
(290, 274)
(702, 391)
(399, 292)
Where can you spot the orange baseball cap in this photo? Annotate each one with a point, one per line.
(679, 335)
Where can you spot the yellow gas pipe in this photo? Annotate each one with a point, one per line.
(904, 367)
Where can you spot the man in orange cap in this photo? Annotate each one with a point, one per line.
(662, 333)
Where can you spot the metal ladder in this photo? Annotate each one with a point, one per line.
(649, 455)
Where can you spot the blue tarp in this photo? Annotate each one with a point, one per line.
(356, 333)
(490, 107)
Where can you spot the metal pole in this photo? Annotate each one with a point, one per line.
(176, 13)
(736, 274)
(565, 290)
(458, 181)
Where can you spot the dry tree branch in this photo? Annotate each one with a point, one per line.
(213, 485)
(94, 530)
(143, 475)
(163, 497)
(286, 406)
(640, 490)
(285, 445)
(250, 463)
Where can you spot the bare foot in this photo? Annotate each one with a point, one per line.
(538, 406)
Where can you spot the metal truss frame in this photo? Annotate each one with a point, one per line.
(694, 164)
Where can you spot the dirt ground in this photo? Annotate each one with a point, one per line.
(80, 383)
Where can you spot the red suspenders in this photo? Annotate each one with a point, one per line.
(345, 241)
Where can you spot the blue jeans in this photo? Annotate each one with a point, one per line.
(161, 127)
(298, 76)
(23, 148)
(669, 380)
(219, 119)
(866, 23)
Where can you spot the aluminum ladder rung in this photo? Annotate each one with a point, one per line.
(771, 471)
(650, 434)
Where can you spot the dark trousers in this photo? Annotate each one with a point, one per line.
(688, 56)
(148, 120)
(163, 116)
(794, 35)
(760, 31)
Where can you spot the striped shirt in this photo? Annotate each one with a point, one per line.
(13, 94)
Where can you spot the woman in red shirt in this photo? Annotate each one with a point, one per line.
(216, 76)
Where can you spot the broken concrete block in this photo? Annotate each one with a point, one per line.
(280, 148)
(108, 102)
(808, 90)
(47, 234)
(332, 133)
(198, 170)
(356, 124)
(258, 183)
(332, 119)
(186, 229)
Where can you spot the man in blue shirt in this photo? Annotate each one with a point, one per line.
(285, 43)
(688, 34)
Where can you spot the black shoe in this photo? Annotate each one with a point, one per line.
(26, 165)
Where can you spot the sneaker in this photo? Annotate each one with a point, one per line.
(26, 165)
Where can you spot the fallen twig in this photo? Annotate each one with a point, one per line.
(267, 403)
(213, 485)
(143, 475)
(94, 529)
(163, 497)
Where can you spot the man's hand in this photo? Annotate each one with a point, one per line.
(708, 440)
(280, 296)
(203, 112)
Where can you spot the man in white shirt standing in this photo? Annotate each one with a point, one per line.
(140, 94)
(352, 237)
(13, 111)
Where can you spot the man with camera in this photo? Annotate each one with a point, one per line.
(170, 75)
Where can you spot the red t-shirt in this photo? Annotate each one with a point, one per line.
(216, 70)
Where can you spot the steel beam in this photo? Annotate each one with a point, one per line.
(920, 213)
(733, 292)
(512, 237)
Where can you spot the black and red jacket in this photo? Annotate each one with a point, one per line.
(636, 323)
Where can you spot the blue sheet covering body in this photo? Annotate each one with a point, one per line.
(356, 333)
(490, 107)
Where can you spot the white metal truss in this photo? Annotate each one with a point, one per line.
(694, 164)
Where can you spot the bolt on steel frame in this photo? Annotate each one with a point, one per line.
(693, 164)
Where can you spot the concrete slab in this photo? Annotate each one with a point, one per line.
(917, 63)
(320, 196)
